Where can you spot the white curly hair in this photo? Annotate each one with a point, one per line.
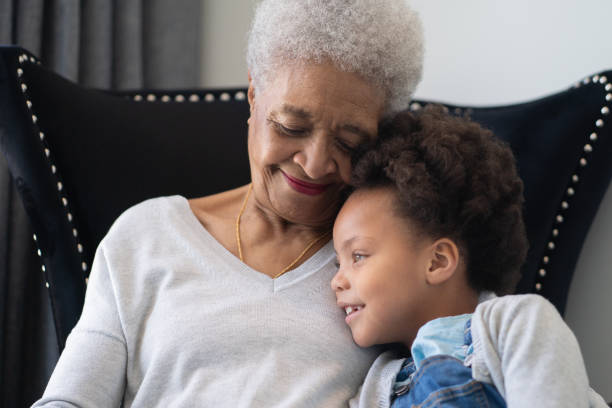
(381, 40)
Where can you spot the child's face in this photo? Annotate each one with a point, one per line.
(382, 266)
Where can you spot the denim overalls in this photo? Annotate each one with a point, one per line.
(442, 380)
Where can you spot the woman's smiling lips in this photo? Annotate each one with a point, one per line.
(304, 187)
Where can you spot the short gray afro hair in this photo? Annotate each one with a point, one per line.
(380, 40)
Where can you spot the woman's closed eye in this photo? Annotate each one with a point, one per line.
(288, 130)
(345, 146)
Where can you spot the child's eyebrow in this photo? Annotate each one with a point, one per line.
(348, 242)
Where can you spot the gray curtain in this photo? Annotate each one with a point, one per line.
(109, 44)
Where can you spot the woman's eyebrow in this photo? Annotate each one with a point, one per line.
(294, 110)
(364, 135)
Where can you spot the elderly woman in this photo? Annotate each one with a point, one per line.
(224, 300)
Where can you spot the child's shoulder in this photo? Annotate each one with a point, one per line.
(518, 310)
(529, 300)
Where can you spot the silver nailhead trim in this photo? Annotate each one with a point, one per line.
(138, 98)
(240, 96)
(194, 98)
(209, 97)
(179, 98)
(225, 97)
(22, 59)
(587, 148)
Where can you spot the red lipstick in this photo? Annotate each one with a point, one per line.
(304, 187)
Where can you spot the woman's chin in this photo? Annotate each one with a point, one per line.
(308, 210)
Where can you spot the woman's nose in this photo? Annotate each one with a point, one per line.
(316, 158)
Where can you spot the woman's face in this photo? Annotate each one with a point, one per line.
(304, 125)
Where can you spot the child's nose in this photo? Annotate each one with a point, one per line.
(339, 282)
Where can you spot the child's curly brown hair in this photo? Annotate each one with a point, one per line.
(454, 179)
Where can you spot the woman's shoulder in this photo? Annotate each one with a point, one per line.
(149, 215)
(217, 205)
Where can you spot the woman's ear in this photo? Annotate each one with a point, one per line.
(443, 262)
(251, 92)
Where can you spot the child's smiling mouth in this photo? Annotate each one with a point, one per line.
(352, 309)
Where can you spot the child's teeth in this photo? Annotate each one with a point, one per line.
(349, 310)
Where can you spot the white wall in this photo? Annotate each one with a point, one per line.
(224, 28)
(483, 52)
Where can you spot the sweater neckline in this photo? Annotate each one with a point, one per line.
(324, 256)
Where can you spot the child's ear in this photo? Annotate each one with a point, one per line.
(443, 262)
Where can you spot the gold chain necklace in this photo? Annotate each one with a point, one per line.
(296, 260)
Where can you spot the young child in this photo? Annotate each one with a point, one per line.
(432, 231)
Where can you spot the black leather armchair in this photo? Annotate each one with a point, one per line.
(79, 157)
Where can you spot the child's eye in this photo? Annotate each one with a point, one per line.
(358, 257)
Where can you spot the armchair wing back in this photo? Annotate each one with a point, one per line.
(79, 157)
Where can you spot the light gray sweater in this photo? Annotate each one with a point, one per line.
(522, 346)
(173, 319)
